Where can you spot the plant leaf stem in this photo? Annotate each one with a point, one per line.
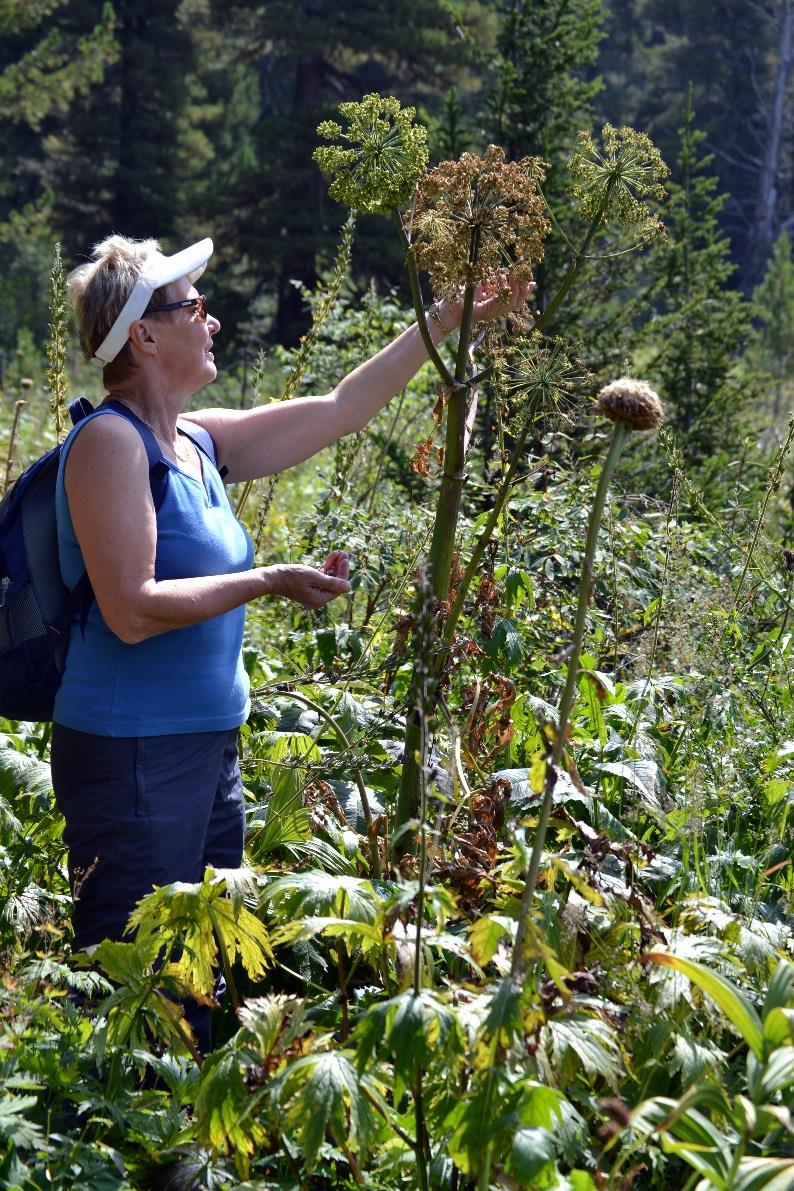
(416, 294)
(575, 264)
(18, 407)
(482, 543)
(374, 854)
(569, 692)
(441, 549)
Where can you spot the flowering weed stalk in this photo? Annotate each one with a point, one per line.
(630, 405)
(56, 344)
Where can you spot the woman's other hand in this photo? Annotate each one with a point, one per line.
(491, 300)
(308, 586)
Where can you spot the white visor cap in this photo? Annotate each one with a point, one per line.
(158, 270)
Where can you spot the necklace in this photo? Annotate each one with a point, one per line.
(181, 456)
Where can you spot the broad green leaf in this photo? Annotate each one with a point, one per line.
(780, 992)
(764, 1174)
(592, 1040)
(413, 1031)
(486, 933)
(642, 775)
(204, 925)
(323, 1091)
(225, 1107)
(271, 1020)
(774, 1075)
(299, 895)
(731, 1000)
(779, 1026)
(532, 1149)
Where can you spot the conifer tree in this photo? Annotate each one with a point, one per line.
(691, 345)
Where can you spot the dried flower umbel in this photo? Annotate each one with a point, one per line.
(378, 158)
(632, 402)
(612, 182)
(498, 200)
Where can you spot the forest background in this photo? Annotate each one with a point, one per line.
(629, 1020)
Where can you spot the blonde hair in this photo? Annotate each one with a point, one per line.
(98, 291)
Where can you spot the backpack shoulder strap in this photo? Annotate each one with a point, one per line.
(158, 468)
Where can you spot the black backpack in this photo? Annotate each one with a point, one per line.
(37, 609)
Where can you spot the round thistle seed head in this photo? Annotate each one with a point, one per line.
(632, 402)
(378, 158)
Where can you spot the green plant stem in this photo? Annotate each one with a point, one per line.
(448, 507)
(482, 543)
(227, 967)
(18, 407)
(416, 295)
(575, 265)
(421, 1132)
(569, 692)
(374, 854)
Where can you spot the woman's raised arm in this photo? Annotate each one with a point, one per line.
(272, 438)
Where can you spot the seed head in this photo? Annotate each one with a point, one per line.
(499, 200)
(377, 158)
(632, 402)
(615, 179)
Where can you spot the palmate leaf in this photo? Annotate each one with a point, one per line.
(226, 1110)
(299, 895)
(412, 1031)
(323, 1091)
(203, 921)
(485, 935)
(731, 1000)
(592, 1040)
(273, 1022)
(14, 1125)
(145, 1003)
(532, 1158)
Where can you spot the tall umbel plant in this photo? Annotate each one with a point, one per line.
(468, 224)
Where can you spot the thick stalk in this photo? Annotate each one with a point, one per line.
(416, 295)
(482, 542)
(569, 693)
(440, 563)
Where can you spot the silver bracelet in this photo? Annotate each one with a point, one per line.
(433, 312)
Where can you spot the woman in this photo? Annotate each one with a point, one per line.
(144, 747)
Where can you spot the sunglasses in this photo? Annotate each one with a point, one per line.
(200, 304)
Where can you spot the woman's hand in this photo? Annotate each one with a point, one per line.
(491, 300)
(308, 586)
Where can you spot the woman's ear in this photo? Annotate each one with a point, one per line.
(141, 337)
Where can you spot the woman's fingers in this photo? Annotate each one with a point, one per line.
(500, 297)
(337, 563)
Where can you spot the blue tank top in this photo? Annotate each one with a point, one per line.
(187, 680)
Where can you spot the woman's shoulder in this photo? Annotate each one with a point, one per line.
(106, 437)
